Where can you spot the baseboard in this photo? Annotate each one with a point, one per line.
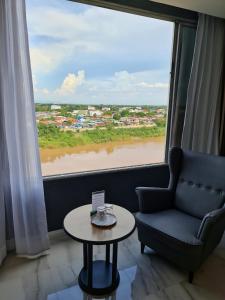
(3, 252)
(57, 234)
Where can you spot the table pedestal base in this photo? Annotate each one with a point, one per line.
(102, 280)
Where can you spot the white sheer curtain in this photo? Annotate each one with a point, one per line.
(21, 186)
(204, 99)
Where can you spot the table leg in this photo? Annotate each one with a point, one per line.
(107, 255)
(85, 255)
(90, 265)
(114, 262)
(99, 277)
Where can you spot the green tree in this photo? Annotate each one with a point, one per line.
(125, 113)
(140, 114)
(116, 117)
(161, 122)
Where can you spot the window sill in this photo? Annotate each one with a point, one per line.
(103, 171)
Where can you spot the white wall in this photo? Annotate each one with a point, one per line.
(210, 7)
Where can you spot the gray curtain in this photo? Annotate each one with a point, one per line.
(222, 127)
(184, 47)
(202, 123)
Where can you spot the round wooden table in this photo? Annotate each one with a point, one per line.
(98, 277)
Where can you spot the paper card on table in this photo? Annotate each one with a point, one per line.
(98, 199)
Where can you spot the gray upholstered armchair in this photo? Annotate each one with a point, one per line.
(185, 221)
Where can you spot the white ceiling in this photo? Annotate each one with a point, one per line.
(210, 7)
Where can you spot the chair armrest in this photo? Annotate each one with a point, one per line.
(212, 226)
(154, 199)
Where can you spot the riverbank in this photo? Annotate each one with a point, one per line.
(51, 137)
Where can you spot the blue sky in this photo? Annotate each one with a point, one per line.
(90, 55)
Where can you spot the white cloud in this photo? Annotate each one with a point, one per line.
(45, 92)
(40, 61)
(70, 83)
(98, 42)
(67, 88)
(64, 38)
(156, 85)
(42, 92)
(122, 88)
(62, 35)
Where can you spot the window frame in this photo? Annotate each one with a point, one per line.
(153, 10)
(147, 8)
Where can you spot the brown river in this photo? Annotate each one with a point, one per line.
(102, 156)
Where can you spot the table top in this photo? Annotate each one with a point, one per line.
(77, 225)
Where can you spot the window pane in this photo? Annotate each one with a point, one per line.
(101, 85)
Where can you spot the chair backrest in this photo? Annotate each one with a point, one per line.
(199, 181)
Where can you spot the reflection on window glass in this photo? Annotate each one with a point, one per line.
(101, 85)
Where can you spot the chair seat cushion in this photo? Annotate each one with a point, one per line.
(171, 226)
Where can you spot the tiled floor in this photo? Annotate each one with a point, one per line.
(148, 276)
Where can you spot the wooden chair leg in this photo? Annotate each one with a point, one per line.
(190, 277)
(142, 248)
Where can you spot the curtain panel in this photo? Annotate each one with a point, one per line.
(22, 206)
(184, 49)
(202, 125)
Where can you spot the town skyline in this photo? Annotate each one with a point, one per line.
(86, 117)
(96, 104)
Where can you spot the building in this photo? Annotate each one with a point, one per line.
(60, 118)
(105, 108)
(135, 110)
(42, 115)
(91, 107)
(55, 107)
(75, 112)
(95, 113)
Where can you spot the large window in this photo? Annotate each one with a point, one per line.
(101, 84)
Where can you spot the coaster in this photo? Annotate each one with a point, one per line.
(106, 221)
